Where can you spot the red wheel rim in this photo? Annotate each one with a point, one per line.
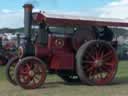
(31, 74)
(99, 63)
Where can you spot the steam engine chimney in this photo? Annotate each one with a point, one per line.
(28, 20)
(28, 48)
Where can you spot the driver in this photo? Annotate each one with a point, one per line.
(106, 34)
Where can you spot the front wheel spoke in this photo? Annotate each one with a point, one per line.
(34, 81)
(36, 77)
(23, 73)
(28, 67)
(38, 73)
(27, 78)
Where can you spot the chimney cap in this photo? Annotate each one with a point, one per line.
(28, 5)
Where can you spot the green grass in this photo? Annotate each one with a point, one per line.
(2, 73)
(122, 69)
(54, 86)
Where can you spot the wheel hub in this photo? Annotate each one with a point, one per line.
(98, 63)
(31, 73)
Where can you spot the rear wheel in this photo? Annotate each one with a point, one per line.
(30, 73)
(96, 63)
(10, 70)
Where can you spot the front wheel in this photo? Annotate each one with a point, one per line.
(96, 62)
(30, 73)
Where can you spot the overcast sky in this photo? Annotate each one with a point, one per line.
(11, 11)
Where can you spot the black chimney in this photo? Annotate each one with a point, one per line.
(28, 46)
(28, 20)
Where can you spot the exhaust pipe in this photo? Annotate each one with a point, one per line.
(28, 20)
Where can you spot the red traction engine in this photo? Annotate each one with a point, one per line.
(74, 49)
(7, 51)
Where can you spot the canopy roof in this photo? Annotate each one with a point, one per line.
(69, 20)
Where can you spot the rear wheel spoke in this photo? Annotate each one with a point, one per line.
(90, 69)
(106, 69)
(108, 54)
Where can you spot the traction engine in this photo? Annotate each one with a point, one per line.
(7, 51)
(75, 51)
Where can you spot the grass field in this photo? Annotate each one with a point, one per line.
(54, 86)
